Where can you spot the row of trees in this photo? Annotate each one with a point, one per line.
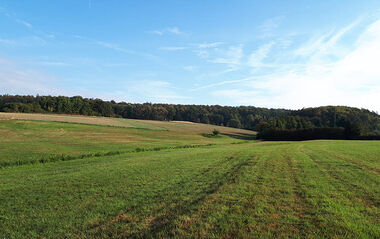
(247, 117)
(302, 134)
(352, 131)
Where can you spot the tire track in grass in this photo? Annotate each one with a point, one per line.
(163, 219)
(196, 224)
(358, 163)
(265, 192)
(297, 214)
(347, 184)
(337, 213)
(299, 205)
(165, 223)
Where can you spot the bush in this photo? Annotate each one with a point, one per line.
(215, 132)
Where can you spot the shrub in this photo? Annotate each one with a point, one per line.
(215, 132)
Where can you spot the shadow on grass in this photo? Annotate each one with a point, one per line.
(242, 136)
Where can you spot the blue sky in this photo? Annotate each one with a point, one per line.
(280, 54)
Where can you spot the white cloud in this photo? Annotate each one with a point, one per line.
(210, 45)
(53, 63)
(326, 44)
(173, 48)
(174, 30)
(227, 82)
(353, 79)
(168, 30)
(231, 57)
(268, 26)
(25, 23)
(203, 54)
(157, 32)
(256, 58)
(18, 80)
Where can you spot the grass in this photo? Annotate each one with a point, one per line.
(34, 141)
(179, 184)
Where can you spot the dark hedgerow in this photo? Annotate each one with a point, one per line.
(302, 134)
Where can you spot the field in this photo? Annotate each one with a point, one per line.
(90, 178)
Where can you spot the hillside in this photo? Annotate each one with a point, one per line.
(246, 117)
(174, 126)
(50, 137)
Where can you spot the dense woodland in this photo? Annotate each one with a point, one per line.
(247, 117)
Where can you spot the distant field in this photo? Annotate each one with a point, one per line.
(70, 180)
(179, 126)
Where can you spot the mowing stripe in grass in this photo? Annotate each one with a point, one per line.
(345, 179)
(65, 157)
(337, 203)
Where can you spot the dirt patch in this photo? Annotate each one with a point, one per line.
(183, 122)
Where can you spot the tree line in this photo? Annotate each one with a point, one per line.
(247, 117)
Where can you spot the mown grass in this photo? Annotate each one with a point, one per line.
(220, 188)
(26, 142)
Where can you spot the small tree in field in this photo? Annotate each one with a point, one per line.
(215, 132)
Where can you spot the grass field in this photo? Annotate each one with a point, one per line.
(167, 180)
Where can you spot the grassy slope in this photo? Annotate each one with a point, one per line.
(32, 141)
(258, 189)
(175, 126)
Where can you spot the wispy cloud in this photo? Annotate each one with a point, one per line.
(228, 82)
(8, 42)
(174, 30)
(24, 41)
(257, 57)
(15, 79)
(168, 30)
(190, 68)
(173, 48)
(11, 15)
(351, 79)
(268, 26)
(53, 63)
(25, 23)
(115, 47)
(157, 32)
(324, 44)
(210, 45)
(231, 56)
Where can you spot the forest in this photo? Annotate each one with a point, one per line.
(246, 117)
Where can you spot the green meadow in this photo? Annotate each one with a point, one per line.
(175, 180)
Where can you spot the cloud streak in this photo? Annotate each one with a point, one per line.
(352, 79)
(172, 48)
(168, 30)
(257, 57)
(117, 48)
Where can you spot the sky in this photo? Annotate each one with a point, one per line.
(278, 54)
